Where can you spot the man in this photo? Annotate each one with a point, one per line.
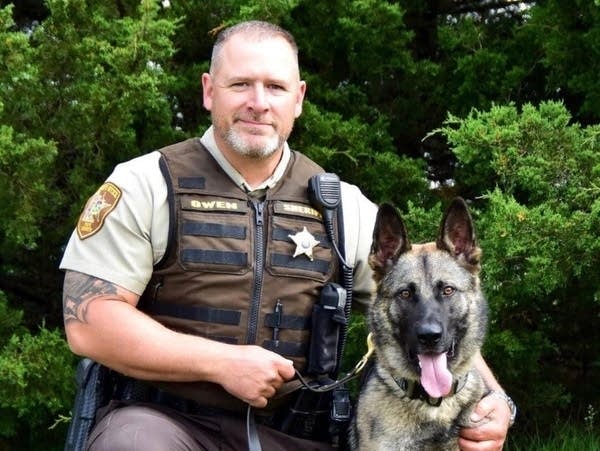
(184, 257)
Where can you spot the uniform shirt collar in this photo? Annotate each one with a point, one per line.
(208, 140)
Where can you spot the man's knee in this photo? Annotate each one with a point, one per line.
(139, 428)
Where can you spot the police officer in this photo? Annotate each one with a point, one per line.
(194, 268)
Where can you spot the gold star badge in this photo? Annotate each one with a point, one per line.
(305, 243)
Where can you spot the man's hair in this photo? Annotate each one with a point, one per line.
(253, 29)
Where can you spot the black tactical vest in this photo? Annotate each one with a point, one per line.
(229, 271)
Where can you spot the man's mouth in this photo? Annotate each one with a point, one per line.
(252, 123)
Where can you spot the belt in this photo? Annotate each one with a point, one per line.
(184, 405)
(190, 407)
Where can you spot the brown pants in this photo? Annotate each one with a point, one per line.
(156, 428)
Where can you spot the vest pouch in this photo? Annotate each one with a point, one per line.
(327, 318)
(308, 417)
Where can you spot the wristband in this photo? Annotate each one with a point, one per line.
(511, 404)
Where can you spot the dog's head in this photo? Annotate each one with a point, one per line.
(429, 315)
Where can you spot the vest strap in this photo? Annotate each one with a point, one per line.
(287, 321)
(288, 261)
(214, 230)
(285, 347)
(208, 315)
(215, 257)
(191, 182)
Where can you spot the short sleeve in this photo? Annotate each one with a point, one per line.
(359, 220)
(122, 231)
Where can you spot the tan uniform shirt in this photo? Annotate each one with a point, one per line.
(133, 236)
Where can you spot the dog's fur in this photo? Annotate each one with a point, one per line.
(429, 307)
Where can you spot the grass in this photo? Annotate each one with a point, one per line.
(565, 438)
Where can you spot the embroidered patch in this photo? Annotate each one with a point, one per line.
(296, 209)
(97, 209)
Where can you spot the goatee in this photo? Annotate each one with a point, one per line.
(252, 150)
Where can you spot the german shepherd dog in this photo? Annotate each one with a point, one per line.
(428, 320)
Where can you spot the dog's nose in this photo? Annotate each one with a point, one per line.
(429, 334)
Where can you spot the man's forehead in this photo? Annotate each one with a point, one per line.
(255, 53)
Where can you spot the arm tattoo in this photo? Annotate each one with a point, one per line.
(80, 290)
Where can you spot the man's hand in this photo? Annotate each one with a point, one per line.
(254, 374)
(489, 426)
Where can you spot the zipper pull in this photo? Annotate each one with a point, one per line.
(278, 314)
(157, 286)
(259, 207)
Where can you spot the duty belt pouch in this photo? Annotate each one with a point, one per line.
(341, 412)
(327, 318)
(308, 418)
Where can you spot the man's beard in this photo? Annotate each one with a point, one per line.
(253, 150)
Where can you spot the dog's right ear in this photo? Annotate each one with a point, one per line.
(389, 240)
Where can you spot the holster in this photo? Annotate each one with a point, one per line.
(93, 391)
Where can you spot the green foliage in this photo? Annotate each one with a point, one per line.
(487, 62)
(370, 29)
(422, 223)
(355, 348)
(272, 10)
(25, 159)
(359, 64)
(81, 64)
(26, 177)
(535, 155)
(359, 153)
(10, 320)
(36, 381)
(568, 33)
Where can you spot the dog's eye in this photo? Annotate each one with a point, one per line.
(404, 294)
(448, 290)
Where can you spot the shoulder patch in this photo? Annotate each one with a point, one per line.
(97, 209)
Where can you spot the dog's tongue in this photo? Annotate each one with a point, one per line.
(435, 377)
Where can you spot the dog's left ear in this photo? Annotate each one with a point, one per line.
(389, 239)
(457, 233)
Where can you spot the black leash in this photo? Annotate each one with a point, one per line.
(253, 440)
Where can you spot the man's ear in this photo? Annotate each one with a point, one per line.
(207, 91)
(300, 98)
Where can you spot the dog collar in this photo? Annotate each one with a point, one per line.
(414, 389)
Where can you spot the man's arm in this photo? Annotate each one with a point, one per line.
(488, 377)
(490, 418)
(102, 322)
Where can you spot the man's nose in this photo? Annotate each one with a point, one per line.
(259, 98)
